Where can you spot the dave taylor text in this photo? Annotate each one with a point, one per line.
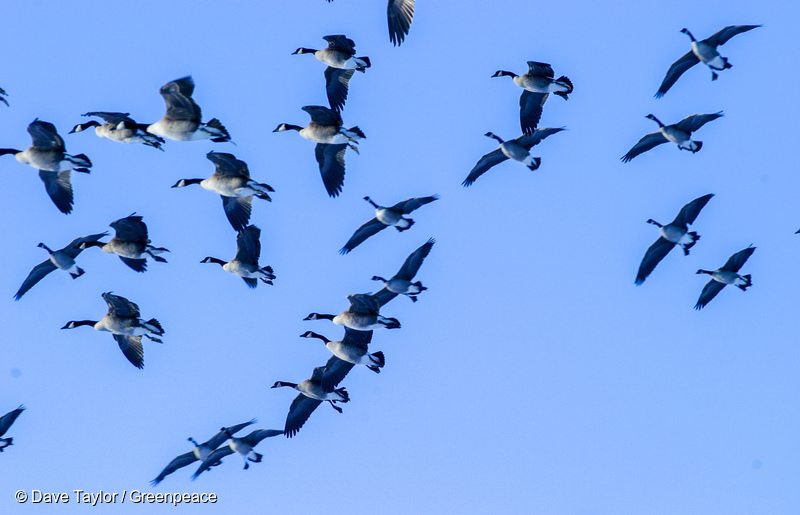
(129, 496)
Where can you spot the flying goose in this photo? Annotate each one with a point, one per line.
(3, 96)
(385, 217)
(399, 14)
(182, 121)
(362, 315)
(517, 149)
(538, 83)
(332, 140)
(48, 154)
(119, 127)
(312, 394)
(130, 243)
(199, 453)
(5, 423)
(679, 133)
(231, 181)
(352, 350)
(62, 259)
(674, 233)
(342, 64)
(242, 446)
(124, 321)
(245, 263)
(704, 51)
(400, 283)
(726, 274)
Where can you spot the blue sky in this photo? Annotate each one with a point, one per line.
(532, 377)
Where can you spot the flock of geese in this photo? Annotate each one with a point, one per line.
(232, 182)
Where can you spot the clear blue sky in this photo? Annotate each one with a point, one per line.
(533, 377)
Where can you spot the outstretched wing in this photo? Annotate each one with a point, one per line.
(335, 371)
(179, 462)
(653, 257)
(137, 265)
(737, 261)
(675, 71)
(45, 136)
(8, 419)
(178, 98)
(648, 142)
(130, 228)
(368, 229)
(323, 116)
(531, 140)
(483, 165)
(337, 81)
(722, 36)
(59, 188)
(689, 212)
(73, 249)
(540, 69)
(213, 459)
(248, 246)
(414, 261)
(364, 303)
(37, 274)
(131, 347)
(120, 306)
(226, 164)
(330, 159)
(400, 13)
(710, 290)
(302, 407)
(341, 43)
(531, 106)
(259, 434)
(412, 204)
(238, 210)
(695, 121)
(112, 117)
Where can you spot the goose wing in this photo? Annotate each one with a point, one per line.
(8, 419)
(137, 265)
(219, 438)
(178, 98)
(648, 142)
(384, 295)
(653, 257)
(323, 116)
(400, 13)
(120, 306)
(131, 347)
(538, 69)
(675, 71)
(722, 36)
(330, 159)
(531, 106)
(213, 459)
(341, 43)
(689, 212)
(59, 188)
(179, 462)
(74, 248)
(363, 303)
(337, 81)
(238, 210)
(112, 117)
(45, 136)
(483, 165)
(335, 371)
(531, 140)
(37, 274)
(302, 407)
(368, 229)
(412, 204)
(737, 261)
(248, 246)
(710, 290)
(255, 437)
(695, 121)
(227, 165)
(414, 261)
(130, 228)
(359, 339)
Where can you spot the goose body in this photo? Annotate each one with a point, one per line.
(362, 315)
(518, 149)
(391, 216)
(353, 349)
(401, 282)
(727, 274)
(119, 127)
(537, 84)
(245, 263)
(242, 446)
(313, 392)
(679, 133)
(131, 243)
(182, 121)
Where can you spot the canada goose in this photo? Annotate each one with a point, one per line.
(48, 154)
(5, 423)
(243, 446)
(352, 350)
(3, 96)
(704, 51)
(63, 259)
(124, 321)
(342, 64)
(362, 315)
(245, 263)
(385, 217)
(726, 274)
(231, 181)
(130, 243)
(332, 140)
(399, 14)
(199, 453)
(679, 133)
(674, 233)
(119, 127)
(517, 149)
(401, 283)
(312, 394)
(182, 121)
(538, 83)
